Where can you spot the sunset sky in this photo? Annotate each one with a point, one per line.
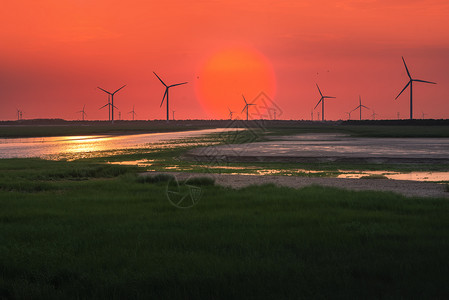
(54, 54)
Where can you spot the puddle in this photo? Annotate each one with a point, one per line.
(415, 176)
(139, 163)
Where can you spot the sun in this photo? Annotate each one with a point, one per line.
(228, 74)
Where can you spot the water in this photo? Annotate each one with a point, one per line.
(76, 146)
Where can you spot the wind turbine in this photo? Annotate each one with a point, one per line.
(112, 101)
(230, 113)
(173, 115)
(349, 114)
(167, 87)
(360, 107)
(19, 114)
(322, 102)
(311, 114)
(133, 112)
(411, 88)
(246, 107)
(83, 113)
(109, 107)
(374, 115)
(423, 115)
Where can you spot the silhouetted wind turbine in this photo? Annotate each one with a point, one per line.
(133, 112)
(112, 101)
(411, 88)
(322, 102)
(374, 115)
(167, 87)
(349, 114)
(109, 105)
(360, 107)
(83, 113)
(173, 115)
(246, 107)
(230, 113)
(19, 114)
(423, 115)
(311, 114)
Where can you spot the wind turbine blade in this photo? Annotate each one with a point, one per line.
(244, 107)
(403, 89)
(244, 100)
(408, 73)
(318, 103)
(424, 81)
(118, 89)
(355, 108)
(163, 98)
(319, 89)
(104, 106)
(365, 107)
(103, 90)
(114, 106)
(160, 79)
(177, 84)
(329, 97)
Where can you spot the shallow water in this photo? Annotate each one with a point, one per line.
(52, 147)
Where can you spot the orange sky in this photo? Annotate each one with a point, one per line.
(54, 53)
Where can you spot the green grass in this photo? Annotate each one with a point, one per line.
(102, 233)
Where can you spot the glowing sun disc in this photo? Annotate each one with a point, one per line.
(228, 74)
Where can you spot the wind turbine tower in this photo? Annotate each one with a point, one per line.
(83, 113)
(322, 102)
(167, 87)
(133, 112)
(247, 105)
(410, 82)
(360, 107)
(112, 101)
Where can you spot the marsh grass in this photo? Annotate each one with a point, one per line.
(114, 236)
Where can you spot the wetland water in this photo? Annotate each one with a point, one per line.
(46, 147)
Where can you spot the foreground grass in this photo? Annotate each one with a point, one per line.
(108, 234)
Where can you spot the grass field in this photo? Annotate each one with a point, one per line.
(81, 230)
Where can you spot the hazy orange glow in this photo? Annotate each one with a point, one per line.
(228, 75)
(55, 53)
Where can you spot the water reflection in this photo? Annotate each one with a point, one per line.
(74, 147)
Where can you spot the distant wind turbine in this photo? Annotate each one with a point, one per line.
(167, 87)
(311, 114)
(349, 114)
(112, 101)
(322, 102)
(374, 115)
(423, 115)
(19, 114)
(173, 115)
(109, 105)
(411, 88)
(230, 113)
(246, 107)
(133, 112)
(83, 113)
(360, 107)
